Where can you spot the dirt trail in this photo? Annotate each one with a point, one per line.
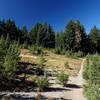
(77, 92)
(72, 91)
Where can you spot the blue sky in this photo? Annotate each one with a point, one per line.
(55, 12)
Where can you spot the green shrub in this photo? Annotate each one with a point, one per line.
(42, 61)
(68, 53)
(40, 66)
(63, 51)
(86, 71)
(39, 70)
(92, 75)
(74, 54)
(80, 54)
(25, 45)
(77, 55)
(93, 92)
(57, 50)
(36, 50)
(42, 83)
(66, 65)
(93, 69)
(11, 61)
(63, 78)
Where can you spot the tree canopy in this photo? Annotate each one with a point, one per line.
(73, 38)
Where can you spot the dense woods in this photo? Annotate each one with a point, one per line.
(73, 38)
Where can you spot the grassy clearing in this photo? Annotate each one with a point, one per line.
(27, 57)
(52, 61)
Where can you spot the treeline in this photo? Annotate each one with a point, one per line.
(41, 34)
(73, 38)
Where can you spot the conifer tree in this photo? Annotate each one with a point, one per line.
(94, 37)
(74, 36)
(11, 61)
(9, 57)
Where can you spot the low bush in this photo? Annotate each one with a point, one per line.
(40, 66)
(69, 53)
(57, 50)
(39, 70)
(25, 45)
(93, 92)
(63, 78)
(42, 61)
(92, 75)
(74, 54)
(42, 83)
(78, 54)
(9, 62)
(66, 65)
(36, 50)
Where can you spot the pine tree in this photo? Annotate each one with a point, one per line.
(74, 36)
(9, 57)
(70, 35)
(24, 35)
(94, 37)
(11, 29)
(42, 35)
(11, 61)
(60, 43)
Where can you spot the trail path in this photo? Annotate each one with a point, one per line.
(73, 90)
(76, 93)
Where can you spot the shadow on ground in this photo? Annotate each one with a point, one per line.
(24, 97)
(51, 89)
(73, 86)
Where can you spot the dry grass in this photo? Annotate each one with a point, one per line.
(27, 57)
(57, 62)
(31, 77)
(53, 61)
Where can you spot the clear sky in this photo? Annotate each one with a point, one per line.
(55, 12)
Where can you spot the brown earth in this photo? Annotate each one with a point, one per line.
(53, 61)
